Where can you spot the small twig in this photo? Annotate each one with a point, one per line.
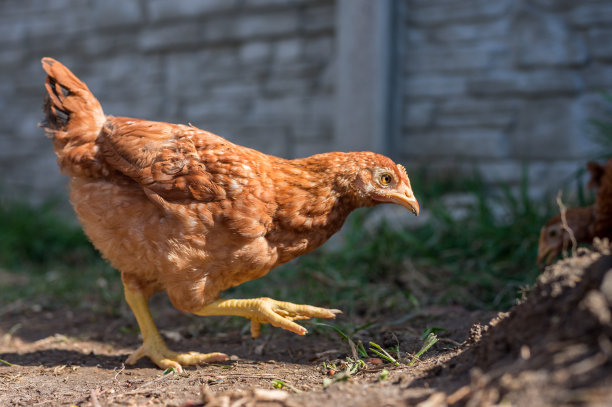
(449, 341)
(261, 376)
(147, 384)
(119, 371)
(280, 384)
(564, 224)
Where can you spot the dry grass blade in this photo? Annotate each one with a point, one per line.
(564, 224)
(6, 363)
(147, 384)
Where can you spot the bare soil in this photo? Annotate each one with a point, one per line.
(553, 349)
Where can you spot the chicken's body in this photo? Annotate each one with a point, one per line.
(210, 240)
(181, 210)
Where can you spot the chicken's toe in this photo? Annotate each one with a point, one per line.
(282, 314)
(167, 359)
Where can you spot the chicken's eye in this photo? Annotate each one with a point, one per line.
(385, 179)
(552, 233)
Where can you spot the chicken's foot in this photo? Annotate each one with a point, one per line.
(268, 311)
(153, 345)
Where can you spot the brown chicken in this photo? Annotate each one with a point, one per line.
(586, 222)
(181, 210)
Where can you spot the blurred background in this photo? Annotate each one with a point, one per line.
(467, 94)
(448, 85)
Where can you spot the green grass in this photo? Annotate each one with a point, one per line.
(480, 261)
(46, 258)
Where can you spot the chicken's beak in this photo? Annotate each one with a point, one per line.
(406, 199)
(402, 195)
(545, 256)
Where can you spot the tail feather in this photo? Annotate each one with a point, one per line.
(73, 119)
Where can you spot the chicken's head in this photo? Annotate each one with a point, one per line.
(384, 181)
(554, 239)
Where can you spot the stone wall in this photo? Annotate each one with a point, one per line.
(451, 85)
(258, 72)
(495, 84)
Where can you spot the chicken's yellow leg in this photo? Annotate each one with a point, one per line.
(268, 311)
(153, 346)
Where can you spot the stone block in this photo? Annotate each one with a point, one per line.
(123, 74)
(193, 73)
(554, 5)
(542, 82)
(221, 30)
(545, 40)
(300, 149)
(236, 90)
(268, 24)
(270, 138)
(114, 13)
(214, 110)
(586, 109)
(473, 31)
(452, 58)
(281, 86)
(500, 171)
(439, 144)
(267, 4)
(103, 44)
(60, 24)
(438, 13)
(289, 50)
(12, 30)
(171, 37)
(597, 77)
(287, 108)
(318, 18)
(418, 114)
(255, 52)
(462, 112)
(591, 14)
(600, 43)
(320, 48)
(546, 129)
(432, 85)
(555, 174)
(161, 10)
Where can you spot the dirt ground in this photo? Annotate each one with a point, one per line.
(553, 349)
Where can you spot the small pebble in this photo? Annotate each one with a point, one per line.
(374, 361)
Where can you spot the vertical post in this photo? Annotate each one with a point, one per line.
(364, 102)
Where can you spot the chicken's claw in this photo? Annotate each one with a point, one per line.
(281, 314)
(167, 359)
(265, 310)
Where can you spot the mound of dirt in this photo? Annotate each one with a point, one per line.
(555, 348)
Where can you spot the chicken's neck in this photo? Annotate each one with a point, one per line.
(314, 197)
